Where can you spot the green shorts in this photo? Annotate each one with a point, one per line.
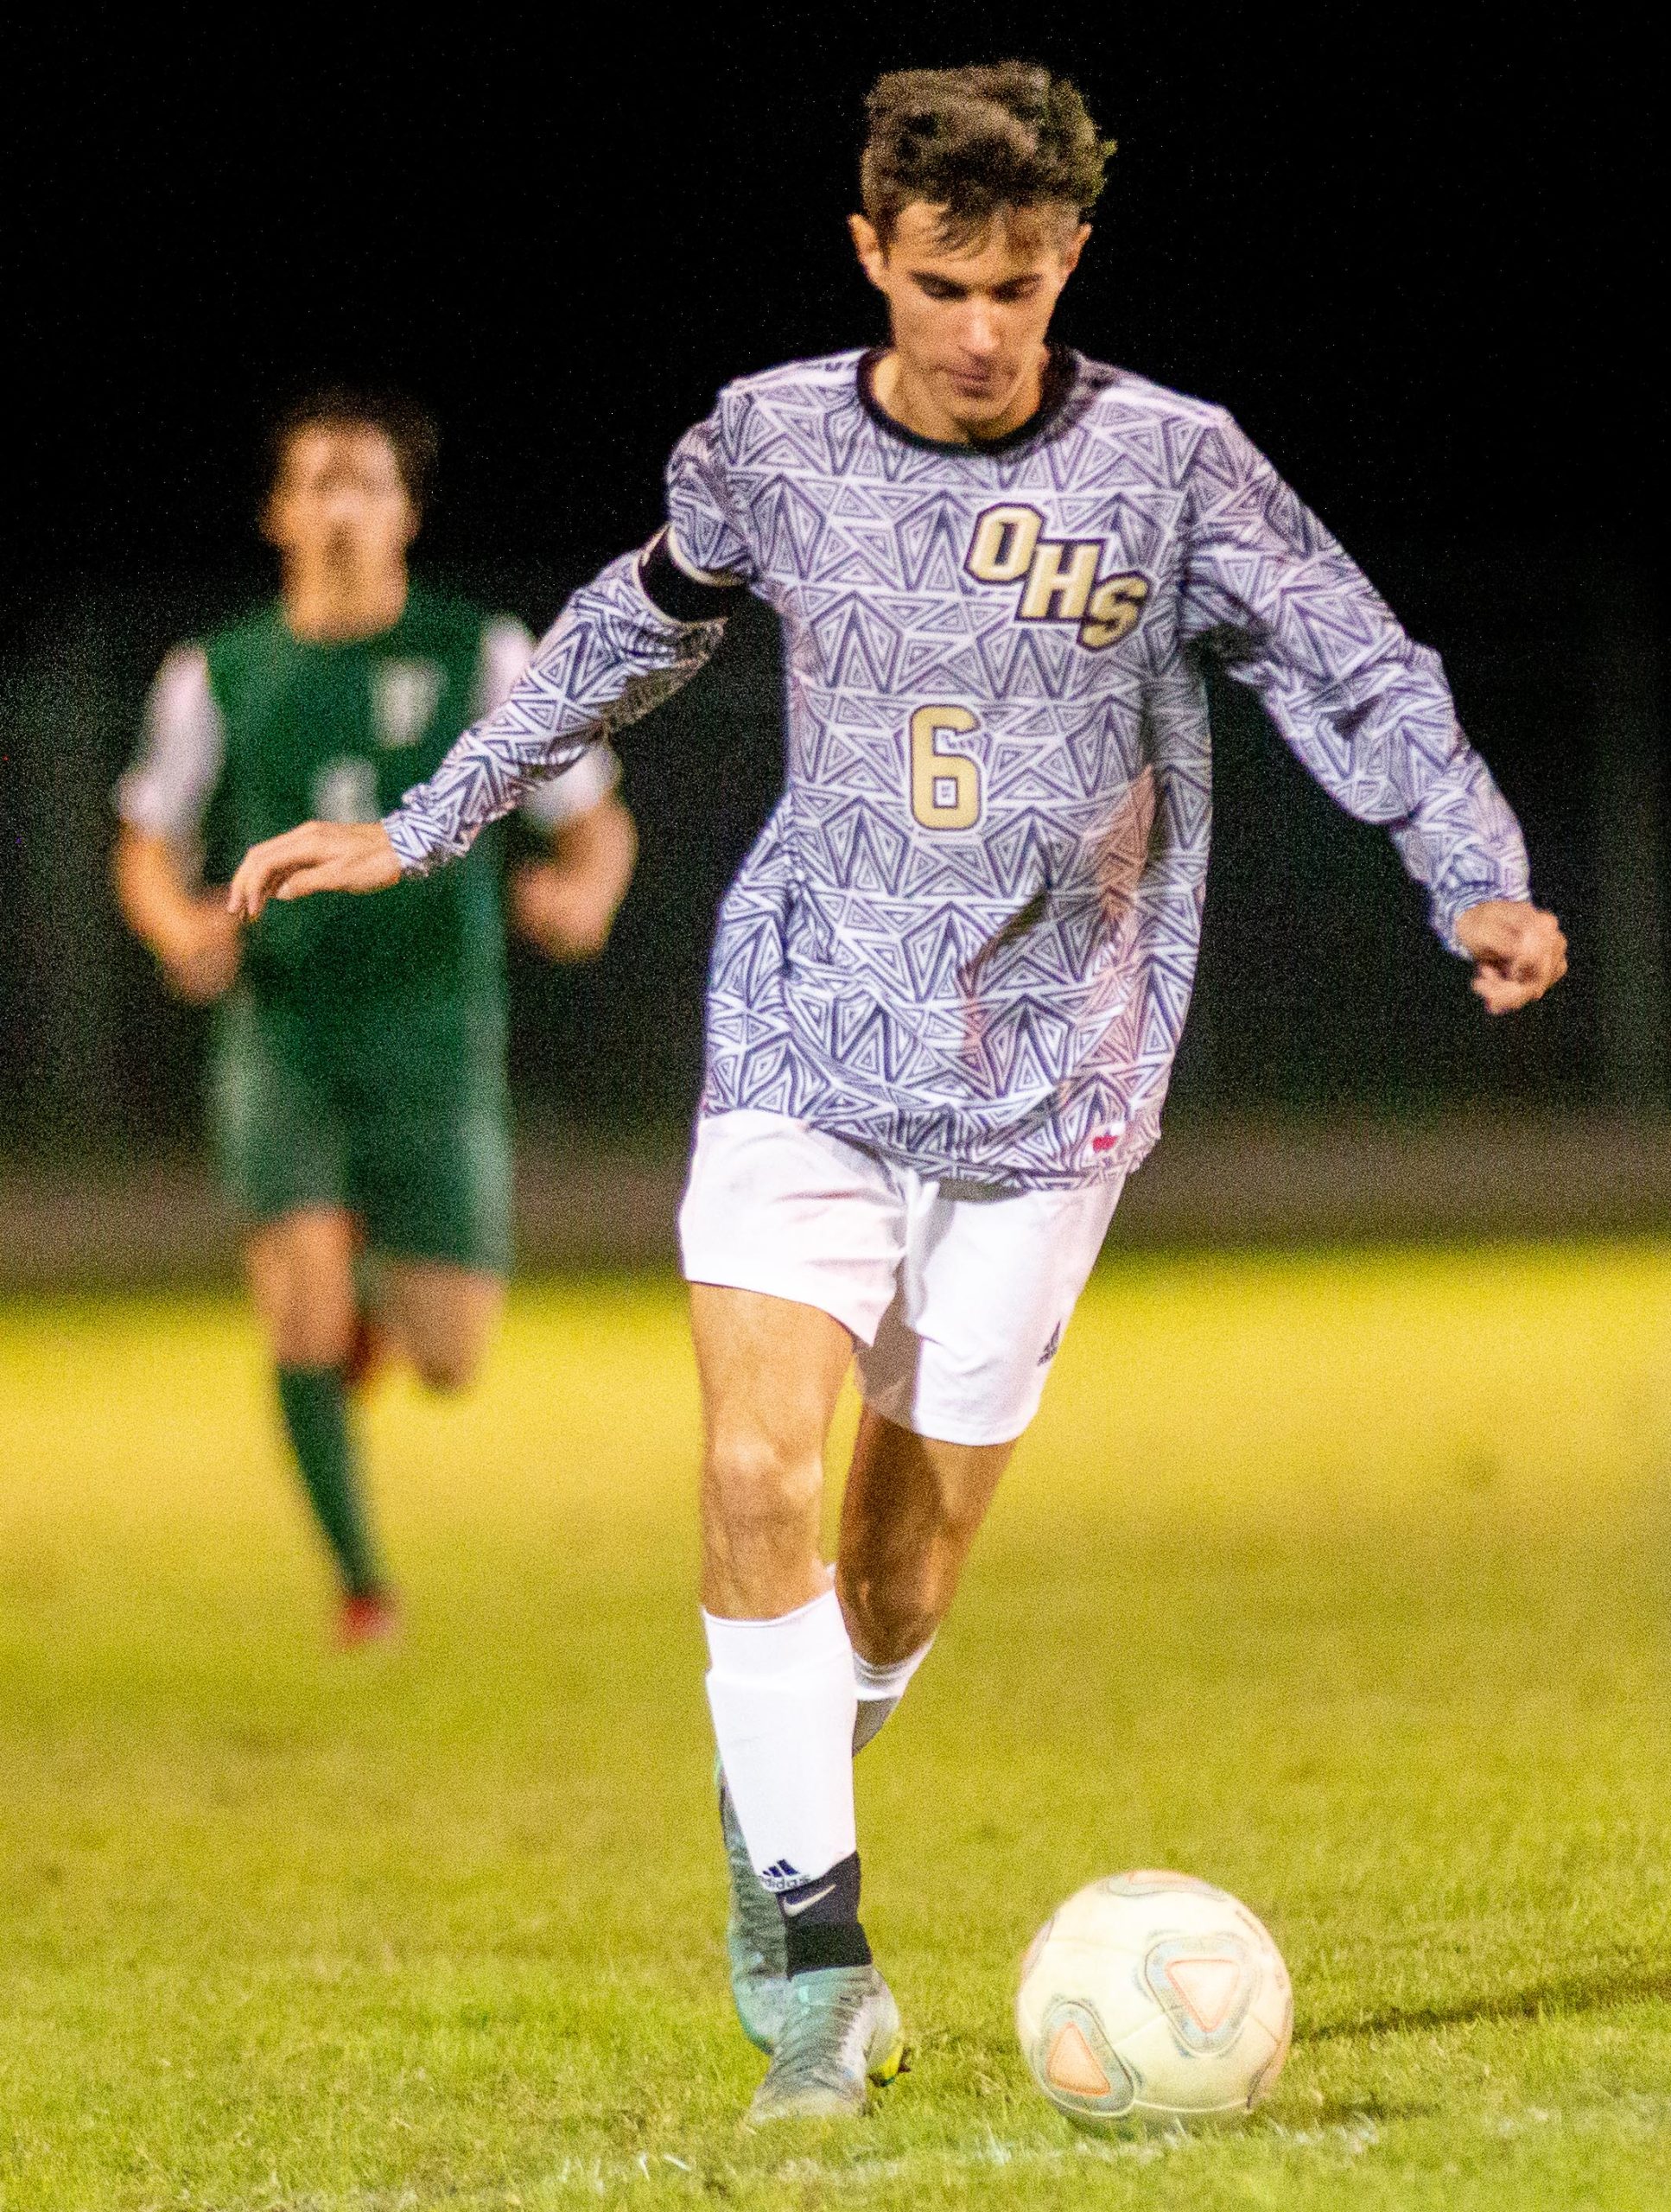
(397, 1113)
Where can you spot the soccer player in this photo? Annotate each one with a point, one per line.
(358, 1092)
(950, 980)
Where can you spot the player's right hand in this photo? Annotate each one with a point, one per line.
(201, 954)
(1518, 951)
(318, 856)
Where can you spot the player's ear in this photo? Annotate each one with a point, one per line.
(1072, 251)
(873, 254)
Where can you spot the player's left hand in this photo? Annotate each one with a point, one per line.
(1517, 949)
(564, 912)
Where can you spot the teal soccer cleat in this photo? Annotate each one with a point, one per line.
(840, 2031)
(753, 1938)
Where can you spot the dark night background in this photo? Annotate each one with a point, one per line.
(1419, 265)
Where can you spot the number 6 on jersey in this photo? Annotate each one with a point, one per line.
(945, 787)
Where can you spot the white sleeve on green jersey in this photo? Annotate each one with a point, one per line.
(507, 646)
(622, 645)
(167, 791)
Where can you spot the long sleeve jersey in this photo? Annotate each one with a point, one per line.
(966, 937)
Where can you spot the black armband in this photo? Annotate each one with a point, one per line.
(681, 597)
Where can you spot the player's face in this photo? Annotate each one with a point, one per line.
(968, 325)
(340, 504)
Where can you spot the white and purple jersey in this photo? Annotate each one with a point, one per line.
(967, 936)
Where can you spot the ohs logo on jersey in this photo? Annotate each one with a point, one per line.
(1058, 575)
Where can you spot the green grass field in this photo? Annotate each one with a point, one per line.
(1339, 1581)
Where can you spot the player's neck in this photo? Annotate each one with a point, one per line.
(915, 409)
(325, 606)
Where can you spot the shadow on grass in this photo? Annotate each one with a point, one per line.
(1561, 1994)
(1368, 2112)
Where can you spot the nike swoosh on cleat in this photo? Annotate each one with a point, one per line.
(801, 1905)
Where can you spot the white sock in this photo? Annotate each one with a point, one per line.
(878, 1690)
(784, 1703)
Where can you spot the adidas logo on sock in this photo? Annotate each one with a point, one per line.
(1052, 1347)
(782, 1876)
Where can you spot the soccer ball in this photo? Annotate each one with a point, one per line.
(1152, 2001)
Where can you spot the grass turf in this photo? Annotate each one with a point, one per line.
(1337, 1579)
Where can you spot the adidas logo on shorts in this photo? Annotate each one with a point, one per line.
(1052, 1347)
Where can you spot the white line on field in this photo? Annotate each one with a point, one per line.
(599, 2176)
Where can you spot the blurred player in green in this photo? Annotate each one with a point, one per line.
(359, 1100)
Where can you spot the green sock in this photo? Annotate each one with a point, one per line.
(316, 1414)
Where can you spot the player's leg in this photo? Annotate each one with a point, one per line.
(770, 1371)
(427, 1165)
(780, 1681)
(301, 1269)
(789, 1241)
(910, 1513)
(278, 1140)
(429, 1173)
(781, 1686)
(987, 1284)
(760, 1556)
(442, 1318)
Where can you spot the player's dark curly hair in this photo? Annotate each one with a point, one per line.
(978, 142)
(409, 428)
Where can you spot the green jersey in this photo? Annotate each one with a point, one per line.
(256, 730)
(360, 1061)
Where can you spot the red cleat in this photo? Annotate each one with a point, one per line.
(367, 1617)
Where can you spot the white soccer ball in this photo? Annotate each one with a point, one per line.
(1153, 2001)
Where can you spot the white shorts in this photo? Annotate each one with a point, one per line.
(957, 1294)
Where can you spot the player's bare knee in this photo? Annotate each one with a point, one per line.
(888, 1618)
(303, 1289)
(754, 1488)
(306, 1332)
(446, 1361)
(445, 1369)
